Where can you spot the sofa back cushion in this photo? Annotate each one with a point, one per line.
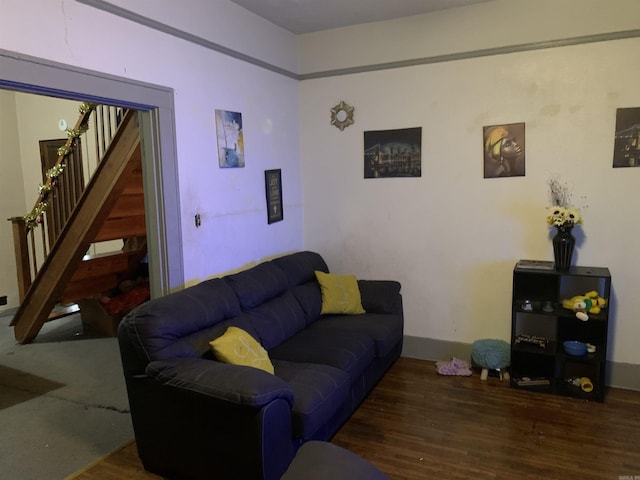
(277, 320)
(258, 284)
(300, 267)
(265, 298)
(183, 323)
(300, 270)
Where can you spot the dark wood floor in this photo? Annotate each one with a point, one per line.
(418, 425)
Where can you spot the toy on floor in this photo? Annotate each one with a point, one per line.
(454, 367)
(490, 354)
(590, 302)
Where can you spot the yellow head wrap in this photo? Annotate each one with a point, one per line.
(492, 143)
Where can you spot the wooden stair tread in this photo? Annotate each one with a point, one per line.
(63, 311)
(100, 265)
(127, 205)
(122, 227)
(100, 273)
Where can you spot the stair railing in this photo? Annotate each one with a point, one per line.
(61, 190)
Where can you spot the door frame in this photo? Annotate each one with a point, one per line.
(38, 76)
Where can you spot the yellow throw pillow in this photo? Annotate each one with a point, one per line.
(239, 348)
(340, 293)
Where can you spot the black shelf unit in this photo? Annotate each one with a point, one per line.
(537, 312)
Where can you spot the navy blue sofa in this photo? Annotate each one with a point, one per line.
(195, 417)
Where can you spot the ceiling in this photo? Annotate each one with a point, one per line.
(306, 16)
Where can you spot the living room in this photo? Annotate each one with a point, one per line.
(451, 237)
(416, 230)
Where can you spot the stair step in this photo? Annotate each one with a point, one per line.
(93, 286)
(63, 311)
(128, 204)
(134, 185)
(94, 266)
(100, 273)
(122, 227)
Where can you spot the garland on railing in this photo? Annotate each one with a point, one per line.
(35, 217)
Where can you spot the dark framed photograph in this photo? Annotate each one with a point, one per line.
(393, 153)
(273, 188)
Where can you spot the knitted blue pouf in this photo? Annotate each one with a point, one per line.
(491, 355)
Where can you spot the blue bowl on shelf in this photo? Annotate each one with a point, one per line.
(575, 348)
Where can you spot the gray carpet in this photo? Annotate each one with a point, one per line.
(63, 401)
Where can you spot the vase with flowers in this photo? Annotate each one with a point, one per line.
(563, 217)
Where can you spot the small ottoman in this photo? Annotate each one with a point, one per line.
(325, 461)
(490, 354)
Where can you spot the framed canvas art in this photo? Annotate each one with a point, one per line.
(503, 147)
(393, 153)
(230, 139)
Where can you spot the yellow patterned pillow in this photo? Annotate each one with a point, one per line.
(340, 293)
(239, 348)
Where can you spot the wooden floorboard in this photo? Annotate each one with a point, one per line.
(419, 425)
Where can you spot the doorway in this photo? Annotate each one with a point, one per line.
(157, 119)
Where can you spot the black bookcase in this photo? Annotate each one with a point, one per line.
(540, 325)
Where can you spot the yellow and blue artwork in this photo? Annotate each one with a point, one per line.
(230, 139)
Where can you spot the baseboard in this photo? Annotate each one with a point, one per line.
(619, 375)
(8, 312)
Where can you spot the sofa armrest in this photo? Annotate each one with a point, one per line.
(380, 296)
(240, 385)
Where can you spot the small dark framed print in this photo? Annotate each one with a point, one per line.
(273, 188)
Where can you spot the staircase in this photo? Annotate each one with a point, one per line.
(110, 208)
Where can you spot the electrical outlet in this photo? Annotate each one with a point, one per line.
(3, 300)
(198, 220)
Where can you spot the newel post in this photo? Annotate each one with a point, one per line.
(21, 249)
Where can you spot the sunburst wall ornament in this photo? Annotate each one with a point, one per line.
(342, 115)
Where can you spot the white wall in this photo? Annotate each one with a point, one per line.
(231, 202)
(12, 203)
(37, 119)
(224, 23)
(451, 237)
(487, 25)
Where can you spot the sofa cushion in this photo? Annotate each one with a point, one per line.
(237, 347)
(196, 344)
(258, 284)
(350, 352)
(310, 299)
(386, 330)
(321, 460)
(300, 267)
(318, 392)
(340, 293)
(380, 296)
(277, 319)
(232, 383)
(182, 323)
